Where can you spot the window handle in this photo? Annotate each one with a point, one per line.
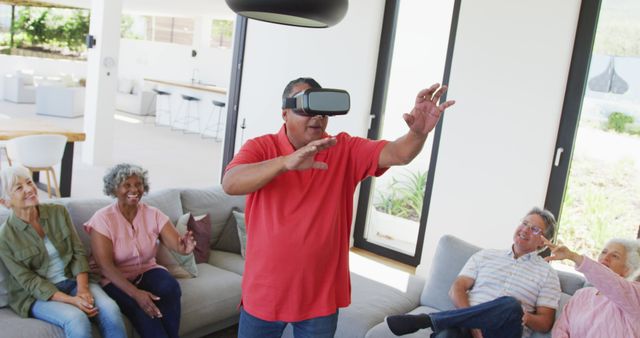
(371, 117)
(559, 151)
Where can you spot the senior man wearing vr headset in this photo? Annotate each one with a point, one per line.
(300, 184)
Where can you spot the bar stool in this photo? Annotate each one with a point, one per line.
(3, 149)
(162, 111)
(187, 102)
(218, 127)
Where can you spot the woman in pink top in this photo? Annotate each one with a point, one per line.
(124, 239)
(611, 308)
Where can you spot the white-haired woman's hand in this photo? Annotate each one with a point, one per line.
(560, 252)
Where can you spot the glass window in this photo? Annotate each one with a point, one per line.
(221, 33)
(158, 28)
(604, 178)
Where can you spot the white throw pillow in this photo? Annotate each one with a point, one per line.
(125, 86)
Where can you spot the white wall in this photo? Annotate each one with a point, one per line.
(166, 61)
(508, 75)
(343, 56)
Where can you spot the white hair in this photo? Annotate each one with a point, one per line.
(632, 247)
(9, 176)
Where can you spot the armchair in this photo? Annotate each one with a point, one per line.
(19, 88)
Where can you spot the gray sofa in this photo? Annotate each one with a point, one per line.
(451, 255)
(209, 301)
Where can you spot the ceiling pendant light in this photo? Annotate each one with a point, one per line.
(303, 13)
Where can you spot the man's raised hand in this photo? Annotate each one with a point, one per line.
(426, 113)
(303, 158)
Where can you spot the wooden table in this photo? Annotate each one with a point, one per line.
(15, 127)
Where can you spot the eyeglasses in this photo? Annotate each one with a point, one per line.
(536, 230)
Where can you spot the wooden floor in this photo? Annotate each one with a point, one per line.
(384, 260)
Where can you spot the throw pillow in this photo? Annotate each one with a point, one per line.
(242, 231)
(228, 240)
(125, 86)
(179, 266)
(200, 226)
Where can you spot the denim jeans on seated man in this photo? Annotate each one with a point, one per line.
(74, 321)
(500, 318)
(319, 327)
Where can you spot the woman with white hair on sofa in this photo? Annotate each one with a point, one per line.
(46, 259)
(124, 237)
(611, 307)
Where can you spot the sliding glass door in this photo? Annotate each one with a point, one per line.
(390, 214)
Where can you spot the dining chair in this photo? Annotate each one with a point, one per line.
(39, 153)
(3, 152)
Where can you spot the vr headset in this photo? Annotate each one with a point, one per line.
(319, 101)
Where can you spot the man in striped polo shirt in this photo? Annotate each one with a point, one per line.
(498, 293)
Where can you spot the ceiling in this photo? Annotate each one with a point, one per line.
(212, 8)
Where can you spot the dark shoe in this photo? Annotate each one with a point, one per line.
(405, 324)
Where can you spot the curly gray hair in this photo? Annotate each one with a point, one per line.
(119, 173)
(632, 248)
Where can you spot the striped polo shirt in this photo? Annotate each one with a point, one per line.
(528, 278)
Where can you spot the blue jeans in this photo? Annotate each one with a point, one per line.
(160, 283)
(74, 321)
(499, 318)
(319, 327)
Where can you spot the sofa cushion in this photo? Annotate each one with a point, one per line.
(451, 255)
(17, 327)
(211, 297)
(371, 301)
(81, 210)
(4, 214)
(4, 274)
(215, 202)
(570, 282)
(227, 260)
(4, 294)
(168, 201)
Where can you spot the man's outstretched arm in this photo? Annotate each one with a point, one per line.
(423, 118)
(247, 178)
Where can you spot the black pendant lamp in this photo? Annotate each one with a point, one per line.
(303, 13)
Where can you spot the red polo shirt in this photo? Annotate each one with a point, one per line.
(298, 229)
